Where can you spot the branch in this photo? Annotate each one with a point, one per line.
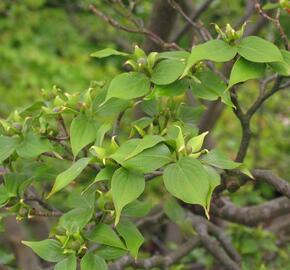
(192, 19)
(276, 21)
(157, 260)
(253, 215)
(158, 40)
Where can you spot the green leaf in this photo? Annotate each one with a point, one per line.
(101, 132)
(104, 234)
(32, 146)
(167, 71)
(282, 67)
(187, 180)
(213, 50)
(258, 50)
(91, 261)
(195, 143)
(220, 160)
(7, 147)
(128, 86)
(82, 132)
(69, 175)
(126, 187)
(4, 195)
(133, 238)
(244, 70)
(174, 211)
(49, 249)
(69, 263)
(107, 52)
(137, 209)
(174, 89)
(147, 161)
(147, 142)
(214, 181)
(211, 87)
(76, 219)
(110, 253)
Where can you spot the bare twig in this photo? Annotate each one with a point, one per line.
(142, 31)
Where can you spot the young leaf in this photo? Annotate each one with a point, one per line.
(126, 186)
(4, 195)
(187, 180)
(50, 250)
(101, 132)
(104, 234)
(7, 147)
(174, 211)
(167, 71)
(258, 50)
(110, 253)
(69, 175)
(76, 219)
(128, 86)
(147, 142)
(244, 70)
(214, 50)
(147, 161)
(69, 263)
(82, 132)
(133, 238)
(220, 160)
(91, 261)
(180, 55)
(195, 143)
(107, 52)
(32, 146)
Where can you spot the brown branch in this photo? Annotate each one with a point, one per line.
(253, 215)
(276, 22)
(157, 260)
(158, 40)
(191, 20)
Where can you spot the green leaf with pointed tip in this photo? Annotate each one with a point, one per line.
(147, 142)
(107, 52)
(128, 86)
(188, 181)
(91, 261)
(4, 195)
(213, 50)
(7, 147)
(82, 133)
(130, 233)
(282, 67)
(110, 253)
(137, 209)
(76, 219)
(259, 50)
(167, 71)
(104, 234)
(147, 161)
(126, 187)
(49, 249)
(66, 177)
(211, 86)
(195, 143)
(69, 263)
(174, 89)
(244, 70)
(174, 211)
(220, 160)
(214, 181)
(180, 55)
(32, 146)
(101, 132)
